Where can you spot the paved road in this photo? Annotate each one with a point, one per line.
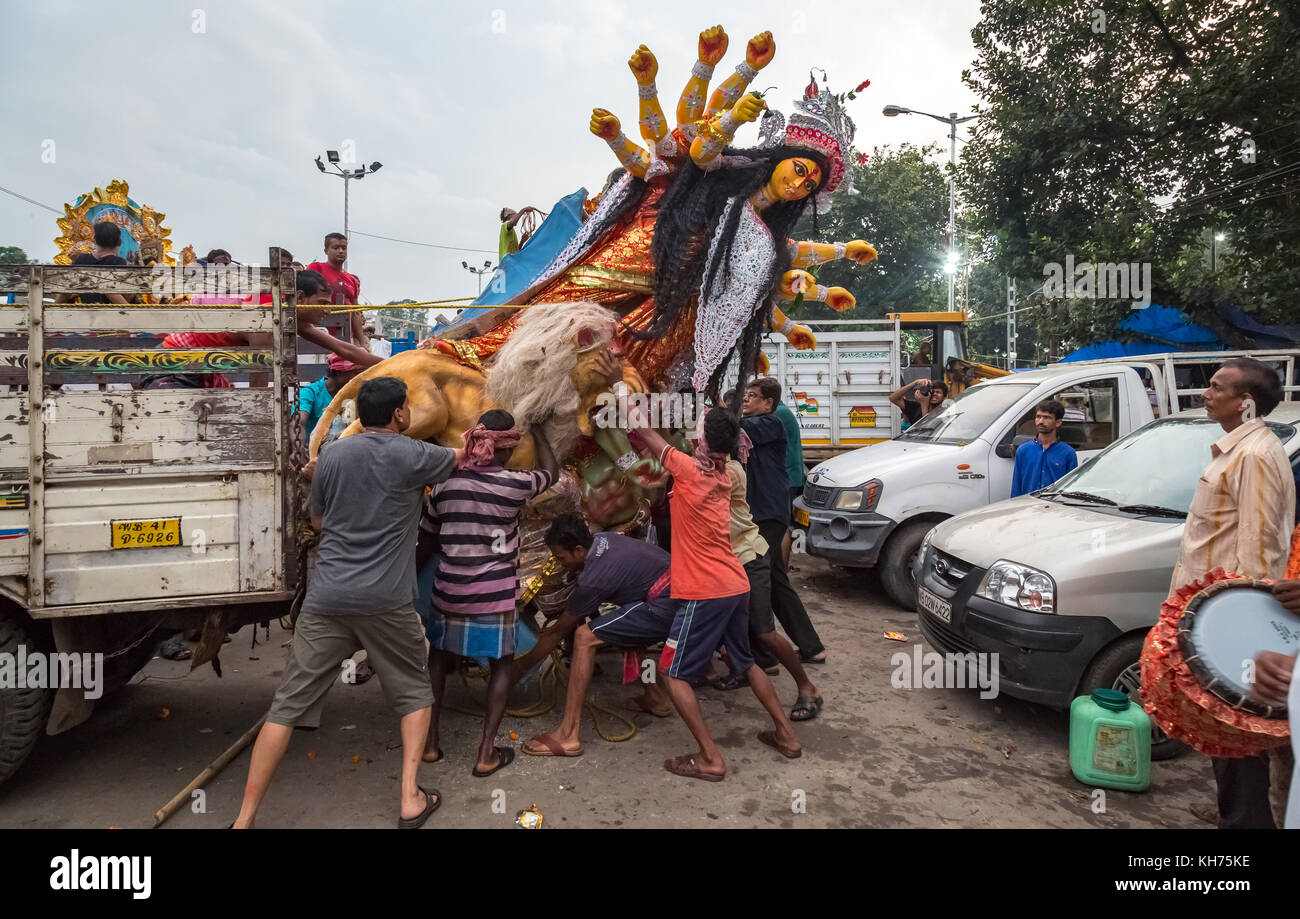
(877, 757)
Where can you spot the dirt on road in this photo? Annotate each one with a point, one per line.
(878, 756)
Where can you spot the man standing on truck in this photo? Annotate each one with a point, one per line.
(108, 240)
(345, 288)
(768, 494)
(1043, 460)
(1239, 520)
(366, 495)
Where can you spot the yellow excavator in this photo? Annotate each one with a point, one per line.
(941, 351)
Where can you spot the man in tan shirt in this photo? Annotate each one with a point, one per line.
(751, 550)
(1240, 520)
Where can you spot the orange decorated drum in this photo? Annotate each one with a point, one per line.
(1197, 665)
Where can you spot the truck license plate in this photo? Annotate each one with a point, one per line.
(801, 517)
(935, 606)
(146, 534)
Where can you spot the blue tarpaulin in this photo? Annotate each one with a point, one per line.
(1164, 328)
(1161, 328)
(520, 270)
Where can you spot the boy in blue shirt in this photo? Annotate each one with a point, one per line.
(1044, 459)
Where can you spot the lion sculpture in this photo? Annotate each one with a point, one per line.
(551, 371)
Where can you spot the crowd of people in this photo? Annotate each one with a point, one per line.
(719, 587)
(385, 506)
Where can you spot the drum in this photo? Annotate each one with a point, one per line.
(1196, 661)
(1224, 628)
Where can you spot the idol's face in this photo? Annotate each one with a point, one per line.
(793, 180)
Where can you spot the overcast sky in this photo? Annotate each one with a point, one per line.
(469, 107)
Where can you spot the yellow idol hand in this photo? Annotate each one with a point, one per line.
(643, 65)
(713, 45)
(604, 125)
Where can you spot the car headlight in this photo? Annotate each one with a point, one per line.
(1019, 586)
(863, 498)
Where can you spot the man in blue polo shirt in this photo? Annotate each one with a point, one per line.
(1044, 459)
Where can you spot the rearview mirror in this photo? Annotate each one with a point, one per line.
(1008, 450)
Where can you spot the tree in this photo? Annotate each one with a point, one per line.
(12, 255)
(901, 208)
(1133, 132)
(397, 319)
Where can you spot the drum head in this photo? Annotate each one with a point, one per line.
(1224, 628)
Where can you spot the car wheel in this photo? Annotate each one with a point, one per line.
(898, 560)
(1117, 667)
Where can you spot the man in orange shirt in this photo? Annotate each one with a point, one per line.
(711, 591)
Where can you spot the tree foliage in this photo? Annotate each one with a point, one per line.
(1134, 131)
(12, 255)
(398, 319)
(901, 208)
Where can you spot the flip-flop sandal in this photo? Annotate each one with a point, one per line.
(731, 682)
(506, 756)
(769, 738)
(433, 801)
(819, 658)
(638, 704)
(437, 759)
(806, 705)
(553, 746)
(686, 767)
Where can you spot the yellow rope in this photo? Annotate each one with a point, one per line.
(385, 306)
(548, 684)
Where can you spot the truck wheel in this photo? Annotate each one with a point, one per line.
(23, 712)
(1116, 667)
(896, 562)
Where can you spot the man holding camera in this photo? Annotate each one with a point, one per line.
(918, 399)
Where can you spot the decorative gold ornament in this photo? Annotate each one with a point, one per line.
(114, 204)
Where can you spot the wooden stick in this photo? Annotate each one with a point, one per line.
(207, 774)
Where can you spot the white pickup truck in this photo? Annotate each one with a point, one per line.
(873, 506)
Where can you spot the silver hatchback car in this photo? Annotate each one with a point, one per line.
(1065, 583)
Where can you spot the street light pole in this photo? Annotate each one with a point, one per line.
(478, 273)
(952, 121)
(347, 175)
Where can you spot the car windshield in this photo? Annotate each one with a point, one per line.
(968, 416)
(1156, 466)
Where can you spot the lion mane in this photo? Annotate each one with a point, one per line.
(532, 375)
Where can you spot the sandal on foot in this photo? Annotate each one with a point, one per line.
(686, 767)
(731, 682)
(806, 708)
(437, 758)
(769, 738)
(552, 746)
(818, 658)
(638, 704)
(505, 756)
(432, 801)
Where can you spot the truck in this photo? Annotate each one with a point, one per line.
(872, 507)
(839, 390)
(127, 513)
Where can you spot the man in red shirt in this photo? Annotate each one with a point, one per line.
(711, 590)
(345, 288)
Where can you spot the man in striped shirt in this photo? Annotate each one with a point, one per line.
(476, 515)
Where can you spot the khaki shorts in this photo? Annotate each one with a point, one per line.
(395, 646)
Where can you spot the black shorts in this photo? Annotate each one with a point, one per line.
(699, 627)
(636, 625)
